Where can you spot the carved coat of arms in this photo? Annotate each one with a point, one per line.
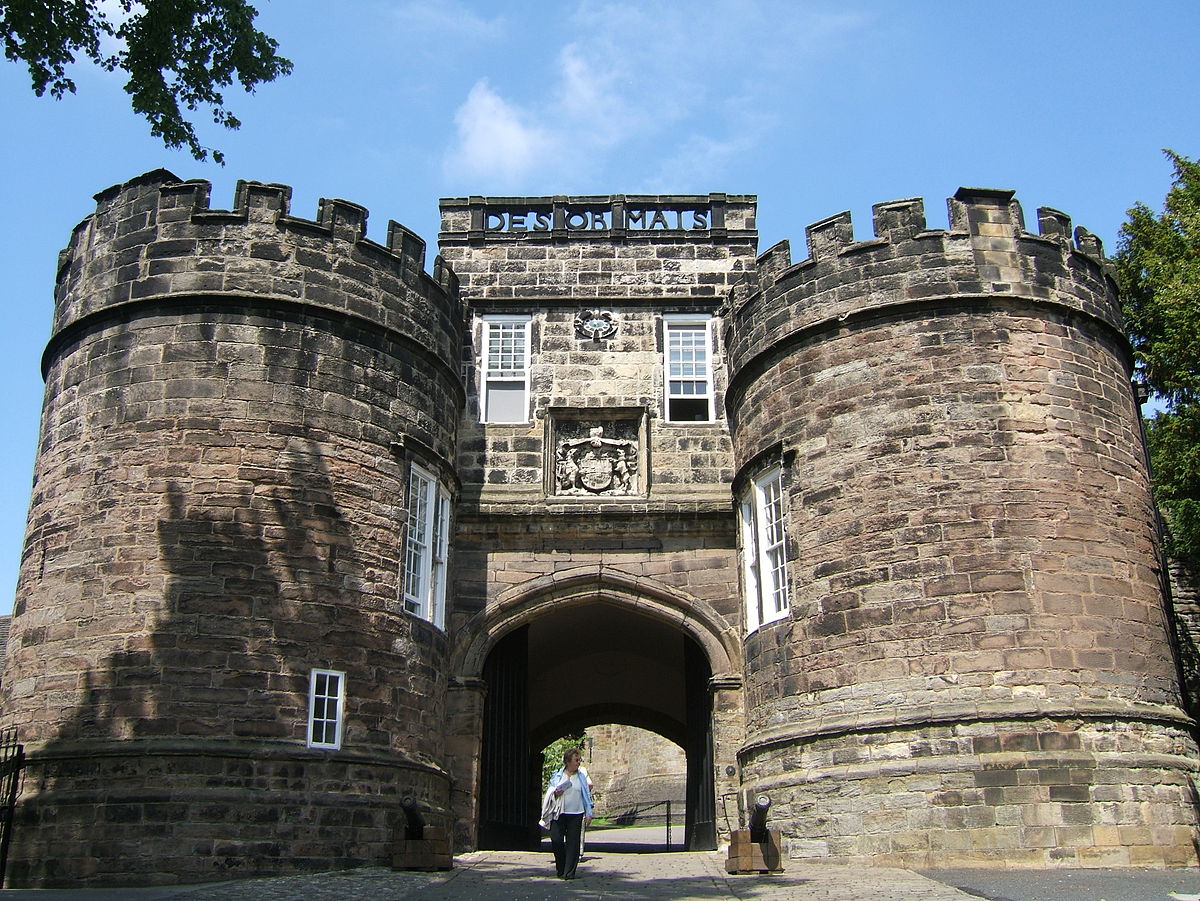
(596, 465)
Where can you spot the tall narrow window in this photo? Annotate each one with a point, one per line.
(426, 547)
(764, 548)
(505, 382)
(687, 368)
(326, 702)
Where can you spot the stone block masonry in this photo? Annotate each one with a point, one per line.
(215, 515)
(266, 453)
(977, 594)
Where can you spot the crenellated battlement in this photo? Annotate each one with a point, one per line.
(264, 202)
(158, 237)
(979, 213)
(986, 252)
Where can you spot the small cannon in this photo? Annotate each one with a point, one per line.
(755, 849)
(758, 819)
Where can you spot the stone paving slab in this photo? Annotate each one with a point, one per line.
(1126, 884)
(679, 876)
(529, 876)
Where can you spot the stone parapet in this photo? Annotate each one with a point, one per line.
(156, 237)
(619, 246)
(986, 253)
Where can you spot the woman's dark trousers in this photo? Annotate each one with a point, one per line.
(564, 838)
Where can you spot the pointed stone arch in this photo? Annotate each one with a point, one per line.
(703, 715)
(522, 604)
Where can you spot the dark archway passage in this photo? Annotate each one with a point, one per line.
(578, 666)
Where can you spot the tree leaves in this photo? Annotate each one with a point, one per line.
(1174, 440)
(1158, 267)
(179, 55)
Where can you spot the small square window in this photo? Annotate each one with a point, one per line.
(326, 703)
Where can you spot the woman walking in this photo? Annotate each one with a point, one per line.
(569, 789)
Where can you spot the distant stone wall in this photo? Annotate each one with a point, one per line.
(1185, 596)
(632, 768)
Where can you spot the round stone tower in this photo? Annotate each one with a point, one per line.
(977, 666)
(209, 589)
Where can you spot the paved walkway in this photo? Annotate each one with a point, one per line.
(679, 876)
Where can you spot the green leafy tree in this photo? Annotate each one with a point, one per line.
(1158, 266)
(552, 754)
(1174, 439)
(178, 54)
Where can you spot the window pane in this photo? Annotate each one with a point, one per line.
(440, 549)
(506, 350)
(426, 547)
(773, 539)
(324, 712)
(778, 599)
(765, 557)
(687, 372)
(506, 402)
(416, 561)
(772, 512)
(692, 409)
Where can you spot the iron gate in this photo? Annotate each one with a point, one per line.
(12, 762)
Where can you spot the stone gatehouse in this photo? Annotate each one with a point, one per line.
(314, 530)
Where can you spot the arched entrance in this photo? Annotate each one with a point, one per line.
(589, 647)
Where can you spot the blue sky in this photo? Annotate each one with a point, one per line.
(816, 107)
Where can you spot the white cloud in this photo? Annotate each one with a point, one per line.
(698, 162)
(494, 140)
(641, 75)
(445, 21)
(589, 95)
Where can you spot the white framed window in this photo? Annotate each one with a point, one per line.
(764, 551)
(326, 707)
(426, 547)
(687, 367)
(504, 377)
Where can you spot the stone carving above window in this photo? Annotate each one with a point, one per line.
(596, 324)
(594, 464)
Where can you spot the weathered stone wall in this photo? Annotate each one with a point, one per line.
(977, 647)
(976, 667)
(673, 537)
(232, 399)
(636, 275)
(1185, 598)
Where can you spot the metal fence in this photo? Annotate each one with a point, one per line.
(657, 814)
(12, 764)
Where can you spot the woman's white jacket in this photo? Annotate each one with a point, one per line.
(552, 803)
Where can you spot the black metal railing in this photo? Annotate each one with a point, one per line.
(12, 764)
(654, 814)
